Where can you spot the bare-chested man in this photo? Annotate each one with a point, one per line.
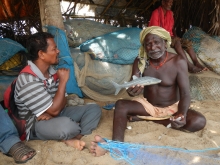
(167, 100)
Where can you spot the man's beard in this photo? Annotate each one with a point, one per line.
(155, 58)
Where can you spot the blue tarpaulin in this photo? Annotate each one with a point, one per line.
(65, 59)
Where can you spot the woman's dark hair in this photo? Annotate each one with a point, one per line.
(37, 42)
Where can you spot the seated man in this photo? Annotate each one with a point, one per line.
(163, 17)
(41, 99)
(10, 144)
(167, 101)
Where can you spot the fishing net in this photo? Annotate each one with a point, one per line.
(81, 30)
(94, 77)
(119, 47)
(195, 35)
(206, 47)
(65, 60)
(8, 49)
(206, 85)
(137, 154)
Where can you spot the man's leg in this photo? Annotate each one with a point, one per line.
(192, 68)
(123, 108)
(195, 121)
(87, 116)
(193, 56)
(10, 142)
(59, 128)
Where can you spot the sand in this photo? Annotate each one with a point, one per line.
(55, 153)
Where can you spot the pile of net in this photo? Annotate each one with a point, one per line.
(94, 77)
(80, 30)
(206, 85)
(119, 47)
(136, 154)
(206, 47)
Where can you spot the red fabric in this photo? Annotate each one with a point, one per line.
(165, 21)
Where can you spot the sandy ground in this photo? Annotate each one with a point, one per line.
(148, 133)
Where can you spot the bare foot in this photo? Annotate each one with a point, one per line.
(95, 149)
(75, 143)
(198, 65)
(195, 69)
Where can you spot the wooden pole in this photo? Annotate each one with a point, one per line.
(50, 13)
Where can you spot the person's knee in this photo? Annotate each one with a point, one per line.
(95, 108)
(120, 106)
(199, 123)
(62, 128)
(68, 129)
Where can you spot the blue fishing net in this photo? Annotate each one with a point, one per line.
(137, 154)
(195, 35)
(65, 59)
(8, 49)
(217, 38)
(119, 47)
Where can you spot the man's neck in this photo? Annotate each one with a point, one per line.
(43, 68)
(158, 63)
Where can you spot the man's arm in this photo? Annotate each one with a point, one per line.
(59, 100)
(183, 84)
(184, 99)
(135, 90)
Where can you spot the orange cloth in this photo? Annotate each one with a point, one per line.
(157, 111)
(165, 21)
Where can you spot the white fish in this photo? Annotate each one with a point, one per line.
(146, 80)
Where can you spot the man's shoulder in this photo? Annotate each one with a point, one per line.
(178, 61)
(175, 57)
(26, 78)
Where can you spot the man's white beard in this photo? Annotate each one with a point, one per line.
(155, 58)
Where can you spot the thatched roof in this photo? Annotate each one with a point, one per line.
(201, 13)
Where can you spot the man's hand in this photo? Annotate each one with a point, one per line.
(135, 90)
(177, 121)
(44, 116)
(63, 74)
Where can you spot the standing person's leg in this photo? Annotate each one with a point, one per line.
(9, 140)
